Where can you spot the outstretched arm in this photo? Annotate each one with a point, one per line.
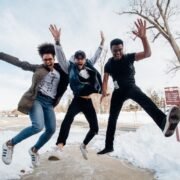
(99, 50)
(15, 61)
(141, 33)
(56, 33)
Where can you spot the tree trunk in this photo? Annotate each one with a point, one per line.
(175, 47)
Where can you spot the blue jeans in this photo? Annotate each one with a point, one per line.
(41, 114)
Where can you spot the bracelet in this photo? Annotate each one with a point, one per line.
(57, 42)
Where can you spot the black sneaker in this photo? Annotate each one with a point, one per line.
(106, 150)
(172, 121)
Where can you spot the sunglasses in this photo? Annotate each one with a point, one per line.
(47, 59)
(80, 58)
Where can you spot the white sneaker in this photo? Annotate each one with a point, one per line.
(84, 151)
(56, 154)
(7, 152)
(172, 120)
(34, 158)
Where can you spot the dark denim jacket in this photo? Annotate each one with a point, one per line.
(81, 88)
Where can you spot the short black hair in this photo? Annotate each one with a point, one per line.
(116, 42)
(80, 53)
(46, 48)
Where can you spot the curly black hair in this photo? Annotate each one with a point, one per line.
(116, 42)
(46, 48)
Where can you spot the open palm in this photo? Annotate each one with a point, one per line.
(56, 33)
(141, 28)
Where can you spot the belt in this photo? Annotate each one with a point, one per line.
(43, 95)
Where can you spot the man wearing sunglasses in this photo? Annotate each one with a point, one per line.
(84, 80)
(49, 83)
(121, 68)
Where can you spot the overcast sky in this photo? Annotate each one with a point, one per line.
(24, 25)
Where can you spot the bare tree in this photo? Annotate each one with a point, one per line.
(155, 96)
(158, 14)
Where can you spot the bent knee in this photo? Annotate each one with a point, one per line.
(37, 129)
(51, 131)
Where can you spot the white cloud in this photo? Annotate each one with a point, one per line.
(25, 25)
(16, 38)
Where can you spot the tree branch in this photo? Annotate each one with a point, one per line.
(156, 36)
(160, 9)
(163, 16)
(166, 9)
(157, 22)
(148, 19)
(157, 14)
(151, 27)
(174, 69)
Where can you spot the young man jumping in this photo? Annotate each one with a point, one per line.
(121, 68)
(49, 83)
(84, 80)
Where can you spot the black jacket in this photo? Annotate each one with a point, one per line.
(80, 88)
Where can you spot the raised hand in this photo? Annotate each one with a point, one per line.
(102, 38)
(141, 28)
(56, 33)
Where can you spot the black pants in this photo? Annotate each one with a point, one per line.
(78, 105)
(133, 92)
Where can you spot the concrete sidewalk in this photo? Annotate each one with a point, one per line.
(73, 167)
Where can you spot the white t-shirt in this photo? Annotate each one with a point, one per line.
(84, 73)
(48, 85)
